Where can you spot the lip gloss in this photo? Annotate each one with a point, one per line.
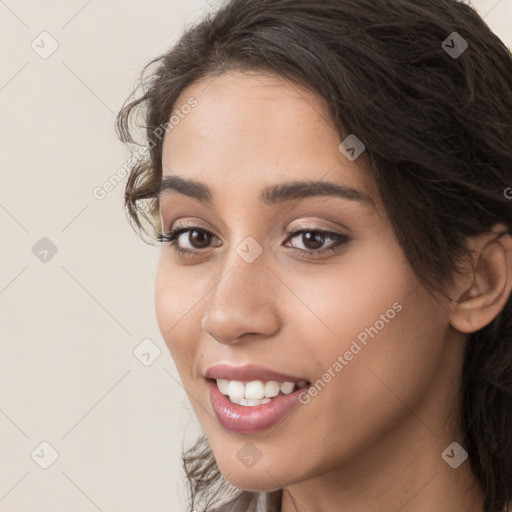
(246, 419)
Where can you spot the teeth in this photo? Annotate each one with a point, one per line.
(272, 388)
(223, 386)
(236, 389)
(287, 387)
(255, 392)
(252, 403)
(249, 403)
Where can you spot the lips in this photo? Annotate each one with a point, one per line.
(251, 416)
(247, 420)
(248, 373)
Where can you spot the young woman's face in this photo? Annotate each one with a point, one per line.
(349, 317)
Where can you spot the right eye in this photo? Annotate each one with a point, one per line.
(195, 235)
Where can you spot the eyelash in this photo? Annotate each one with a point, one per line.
(172, 236)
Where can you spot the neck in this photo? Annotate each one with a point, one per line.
(414, 479)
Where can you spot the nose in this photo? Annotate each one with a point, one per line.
(243, 302)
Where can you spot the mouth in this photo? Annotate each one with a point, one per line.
(256, 392)
(253, 406)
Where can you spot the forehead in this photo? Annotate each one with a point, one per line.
(251, 130)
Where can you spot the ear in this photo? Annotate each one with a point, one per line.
(484, 292)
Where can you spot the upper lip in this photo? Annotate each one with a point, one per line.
(248, 373)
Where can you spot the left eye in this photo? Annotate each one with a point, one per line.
(314, 239)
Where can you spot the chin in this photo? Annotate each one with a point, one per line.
(252, 480)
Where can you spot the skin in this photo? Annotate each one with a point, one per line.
(372, 438)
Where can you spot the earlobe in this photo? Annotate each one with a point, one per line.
(490, 286)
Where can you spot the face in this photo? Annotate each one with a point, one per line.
(307, 286)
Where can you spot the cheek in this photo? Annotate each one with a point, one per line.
(388, 332)
(177, 306)
(340, 304)
(386, 375)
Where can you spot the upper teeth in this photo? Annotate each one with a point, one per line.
(253, 390)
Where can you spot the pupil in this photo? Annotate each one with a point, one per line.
(198, 234)
(317, 239)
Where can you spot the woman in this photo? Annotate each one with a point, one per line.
(330, 181)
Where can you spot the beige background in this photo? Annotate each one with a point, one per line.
(69, 325)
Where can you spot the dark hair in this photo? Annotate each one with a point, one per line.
(438, 135)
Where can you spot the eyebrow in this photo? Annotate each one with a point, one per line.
(269, 196)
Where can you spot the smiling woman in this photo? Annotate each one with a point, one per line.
(336, 265)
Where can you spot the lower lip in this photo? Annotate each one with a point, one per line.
(247, 419)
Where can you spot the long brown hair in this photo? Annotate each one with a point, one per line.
(438, 134)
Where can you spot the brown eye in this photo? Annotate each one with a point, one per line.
(187, 241)
(314, 242)
(199, 239)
